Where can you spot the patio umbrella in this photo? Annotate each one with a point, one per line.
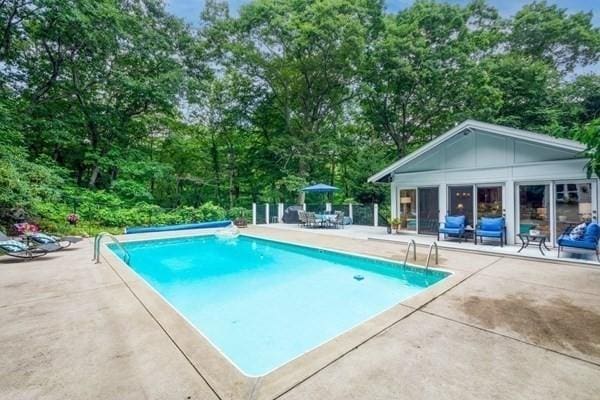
(319, 188)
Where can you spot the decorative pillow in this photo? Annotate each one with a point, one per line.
(492, 224)
(12, 246)
(455, 221)
(43, 238)
(577, 232)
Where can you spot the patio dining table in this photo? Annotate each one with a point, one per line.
(325, 218)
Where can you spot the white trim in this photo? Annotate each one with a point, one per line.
(547, 140)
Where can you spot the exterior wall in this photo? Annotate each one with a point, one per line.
(480, 149)
(508, 176)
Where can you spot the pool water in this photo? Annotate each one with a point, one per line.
(263, 303)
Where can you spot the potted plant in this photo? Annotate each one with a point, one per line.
(389, 225)
(240, 220)
(395, 224)
(73, 219)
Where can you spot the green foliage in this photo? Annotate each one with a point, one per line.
(590, 135)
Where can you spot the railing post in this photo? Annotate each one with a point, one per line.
(253, 213)
(350, 212)
(267, 216)
(280, 212)
(375, 214)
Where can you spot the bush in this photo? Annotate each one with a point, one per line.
(238, 212)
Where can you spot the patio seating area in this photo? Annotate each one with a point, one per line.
(325, 220)
(488, 246)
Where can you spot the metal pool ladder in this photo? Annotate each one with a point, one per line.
(431, 247)
(414, 247)
(97, 240)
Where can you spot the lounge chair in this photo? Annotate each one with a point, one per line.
(491, 228)
(63, 241)
(453, 226)
(587, 244)
(49, 247)
(14, 248)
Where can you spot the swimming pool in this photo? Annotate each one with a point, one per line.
(263, 303)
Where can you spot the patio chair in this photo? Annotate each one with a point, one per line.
(312, 220)
(491, 228)
(453, 226)
(338, 220)
(14, 248)
(301, 218)
(588, 243)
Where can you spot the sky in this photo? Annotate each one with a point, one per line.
(189, 10)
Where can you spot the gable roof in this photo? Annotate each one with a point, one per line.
(565, 144)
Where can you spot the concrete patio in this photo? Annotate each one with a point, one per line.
(510, 328)
(489, 247)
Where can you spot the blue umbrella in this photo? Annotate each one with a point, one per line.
(319, 188)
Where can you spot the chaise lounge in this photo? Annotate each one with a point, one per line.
(454, 226)
(14, 248)
(62, 241)
(588, 243)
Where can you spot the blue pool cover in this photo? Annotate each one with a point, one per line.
(180, 227)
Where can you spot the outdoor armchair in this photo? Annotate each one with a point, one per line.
(491, 228)
(587, 244)
(453, 226)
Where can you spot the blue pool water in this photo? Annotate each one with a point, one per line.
(264, 303)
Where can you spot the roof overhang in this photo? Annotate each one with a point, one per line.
(469, 124)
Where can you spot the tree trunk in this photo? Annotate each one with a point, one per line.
(94, 177)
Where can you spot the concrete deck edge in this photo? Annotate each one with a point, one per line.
(213, 366)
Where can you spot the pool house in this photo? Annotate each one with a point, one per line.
(537, 182)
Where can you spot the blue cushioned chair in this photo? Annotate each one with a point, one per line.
(454, 226)
(491, 228)
(587, 244)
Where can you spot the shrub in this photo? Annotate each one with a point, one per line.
(238, 212)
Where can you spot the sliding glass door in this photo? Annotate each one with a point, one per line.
(429, 203)
(489, 202)
(460, 202)
(407, 210)
(534, 209)
(574, 204)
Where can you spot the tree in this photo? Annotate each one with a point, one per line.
(304, 57)
(94, 70)
(549, 33)
(590, 135)
(422, 72)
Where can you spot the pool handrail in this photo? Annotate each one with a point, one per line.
(414, 247)
(97, 241)
(431, 246)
